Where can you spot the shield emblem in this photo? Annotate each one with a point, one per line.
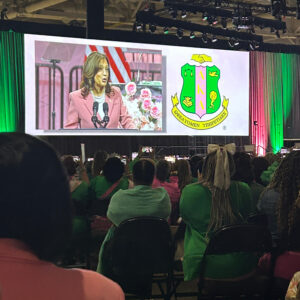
(200, 93)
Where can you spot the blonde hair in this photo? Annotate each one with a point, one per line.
(221, 211)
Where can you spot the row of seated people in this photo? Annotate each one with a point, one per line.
(218, 206)
(35, 218)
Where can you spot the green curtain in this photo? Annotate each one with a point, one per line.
(12, 92)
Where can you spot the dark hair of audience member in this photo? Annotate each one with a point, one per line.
(163, 170)
(143, 172)
(35, 203)
(69, 164)
(259, 164)
(243, 168)
(194, 163)
(183, 173)
(113, 169)
(100, 158)
(221, 212)
(271, 157)
(286, 181)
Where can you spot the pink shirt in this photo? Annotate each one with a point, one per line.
(25, 277)
(171, 188)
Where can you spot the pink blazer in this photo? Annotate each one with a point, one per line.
(80, 111)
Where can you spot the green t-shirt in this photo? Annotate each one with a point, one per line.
(195, 207)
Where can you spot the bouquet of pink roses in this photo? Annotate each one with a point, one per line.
(144, 108)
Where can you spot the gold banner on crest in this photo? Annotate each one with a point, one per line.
(199, 125)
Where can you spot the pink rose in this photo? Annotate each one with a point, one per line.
(147, 104)
(155, 113)
(146, 93)
(130, 88)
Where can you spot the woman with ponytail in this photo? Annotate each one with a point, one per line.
(210, 204)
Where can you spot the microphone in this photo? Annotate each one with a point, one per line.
(106, 117)
(95, 110)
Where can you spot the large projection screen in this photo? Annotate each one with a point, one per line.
(153, 89)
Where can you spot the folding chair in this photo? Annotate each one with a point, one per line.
(140, 254)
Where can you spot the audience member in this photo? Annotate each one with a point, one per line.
(80, 197)
(35, 224)
(273, 160)
(184, 173)
(278, 201)
(163, 169)
(142, 200)
(112, 179)
(244, 173)
(207, 206)
(196, 163)
(100, 158)
(260, 164)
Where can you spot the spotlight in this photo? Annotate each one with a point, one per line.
(236, 42)
(192, 35)
(138, 26)
(183, 14)
(277, 34)
(224, 22)
(179, 33)
(205, 16)
(231, 43)
(217, 3)
(166, 30)
(214, 39)
(204, 38)
(251, 46)
(152, 28)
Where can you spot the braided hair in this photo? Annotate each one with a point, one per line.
(286, 181)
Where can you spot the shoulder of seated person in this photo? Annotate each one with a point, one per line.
(96, 283)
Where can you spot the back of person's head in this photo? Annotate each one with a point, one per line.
(35, 204)
(163, 170)
(217, 178)
(243, 168)
(143, 172)
(113, 169)
(100, 158)
(184, 173)
(195, 161)
(69, 164)
(286, 181)
(271, 158)
(259, 164)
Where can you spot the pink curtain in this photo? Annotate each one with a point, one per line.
(259, 128)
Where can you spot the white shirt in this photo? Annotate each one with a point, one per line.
(100, 100)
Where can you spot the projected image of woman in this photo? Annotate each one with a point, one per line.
(94, 92)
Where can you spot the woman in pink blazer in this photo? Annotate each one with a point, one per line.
(95, 87)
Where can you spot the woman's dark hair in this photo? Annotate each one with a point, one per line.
(35, 204)
(113, 169)
(243, 168)
(69, 164)
(90, 69)
(260, 164)
(184, 173)
(195, 161)
(163, 169)
(143, 172)
(100, 158)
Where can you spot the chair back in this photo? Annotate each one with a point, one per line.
(141, 247)
(259, 219)
(240, 238)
